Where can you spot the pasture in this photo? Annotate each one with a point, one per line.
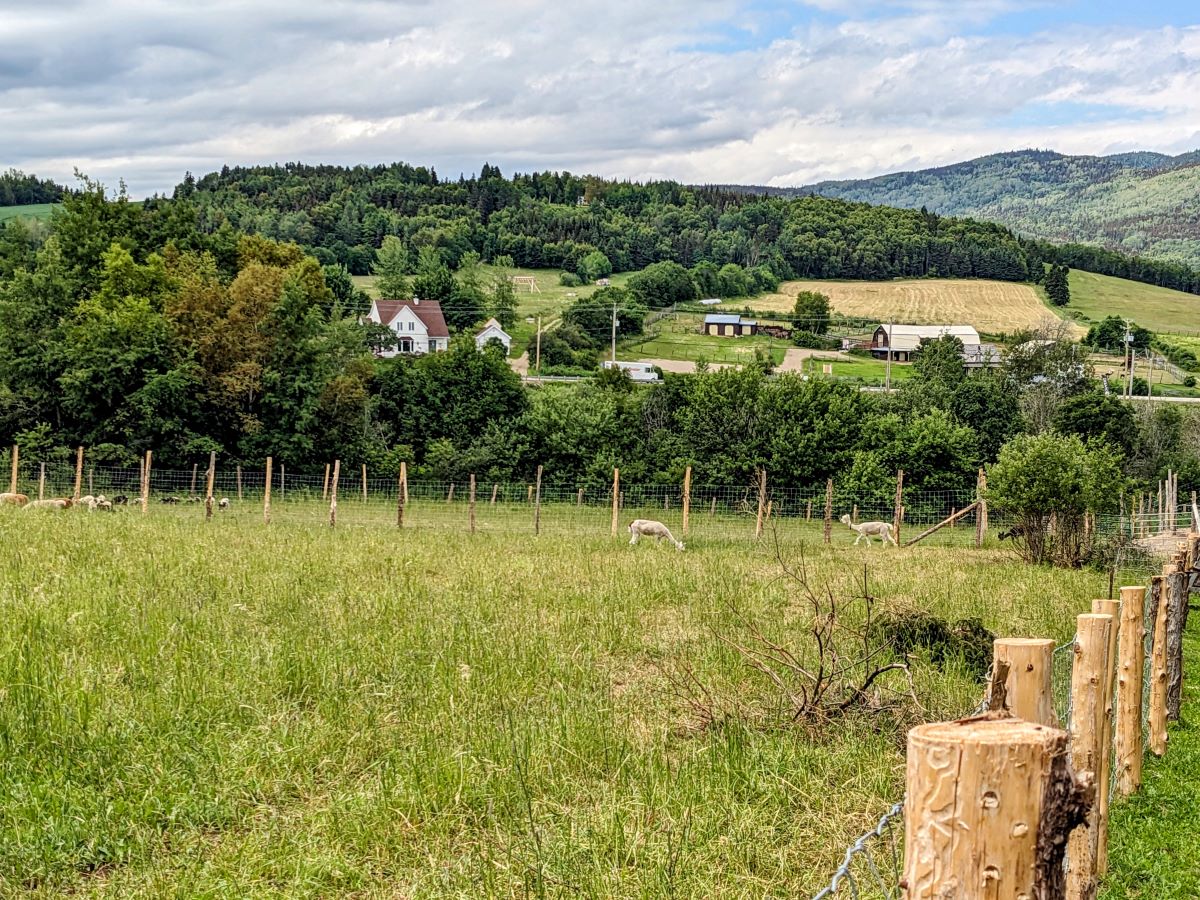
(1160, 309)
(202, 709)
(993, 307)
(33, 211)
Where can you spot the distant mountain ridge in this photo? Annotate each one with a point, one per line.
(1141, 202)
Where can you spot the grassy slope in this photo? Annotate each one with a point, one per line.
(32, 211)
(1155, 834)
(1160, 309)
(291, 711)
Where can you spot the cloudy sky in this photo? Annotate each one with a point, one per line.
(766, 92)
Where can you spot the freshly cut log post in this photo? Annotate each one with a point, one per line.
(989, 808)
(1087, 719)
(1103, 780)
(1175, 598)
(1131, 656)
(1030, 670)
(1158, 665)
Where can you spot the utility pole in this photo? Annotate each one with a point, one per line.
(614, 333)
(1129, 347)
(537, 365)
(887, 378)
(1150, 376)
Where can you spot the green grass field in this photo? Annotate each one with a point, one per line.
(37, 211)
(222, 709)
(1160, 309)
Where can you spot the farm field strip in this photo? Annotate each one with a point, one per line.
(1094, 297)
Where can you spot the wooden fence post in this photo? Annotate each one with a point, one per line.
(325, 489)
(91, 480)
(1127, 746)
(364, 482)
(1030, 686)
(687, 498)
(146, 481)
(41, 481)
(616, 499)
(762, 502)
(450, 493)
(854, 514)
(195, 469)
(1175, 595)
(471, 505)
(898, 511)
(401, 494)
(988, 808)
(808, 512)
(16, 455)
(529, 493)
(579, 497)
(239, 482)
(337, 467)
(210, 476)
(1087, 736)
(495, 488)
(78, 472)
(537, 504)
(267, 494)
(828, 510)
(712, 508)
(1103, 781)
(1158, 664)
(282, 480)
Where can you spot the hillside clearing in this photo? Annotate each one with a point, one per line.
(992, 307)
(1160, 309)
(36, 211)
(304, 712)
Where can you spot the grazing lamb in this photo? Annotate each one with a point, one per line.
(10, 499)
(56, 503)
(223, 503)
(169, 500)
(650, 528)
(882, 530)
(103, 504)
(120, 500)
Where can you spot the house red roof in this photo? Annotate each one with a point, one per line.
(428, 311)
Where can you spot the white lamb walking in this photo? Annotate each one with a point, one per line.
(882, 530)
(650, 528)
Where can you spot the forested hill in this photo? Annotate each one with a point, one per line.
(1139, 203)
(19, 189)
(341, 215)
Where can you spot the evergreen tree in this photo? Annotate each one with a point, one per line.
(391, 268)
(1057, 287)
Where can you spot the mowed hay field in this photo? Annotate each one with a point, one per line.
(231, 709)
(991, 306)
(1160, 309)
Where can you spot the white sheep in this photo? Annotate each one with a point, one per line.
(223, 503)
(651, 528)
(882, 530)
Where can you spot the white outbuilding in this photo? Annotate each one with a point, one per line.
(492, 331)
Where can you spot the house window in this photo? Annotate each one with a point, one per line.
(412, 326)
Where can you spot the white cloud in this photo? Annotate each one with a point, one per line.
(147, 90)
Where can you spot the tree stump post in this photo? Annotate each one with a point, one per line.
(687, 499)
(1087, 740)
(990, 804)
(616, 499)
(1127, 746)
(1103, 779)
(1029, 686)
(1158, 664)
(337, 466)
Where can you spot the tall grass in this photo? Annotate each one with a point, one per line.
(227, 709)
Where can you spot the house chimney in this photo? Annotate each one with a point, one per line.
(416, 301)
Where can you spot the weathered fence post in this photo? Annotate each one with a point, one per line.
(16, 455)
(762, 502)
(325, 489)
(195, 469)
(808, 512)
(687, 498)
(495, 488)
(41, 481)
(239, 482)
(1087, 738)
(537, 504)
(989, 805)
(1030, 686)
(450, 493)
(401, 494)
(1103, 781)
(78, 472)
(471, 505)
(579, 497)
(1175, 594)
(210, 476)
(267, 494)
(146, 481)
(898, 511)
(712, 508)
(828, 510)
(1158, 664)
(854, 514)
(337, 467)
(282, 480)
(1127, 746)
(616, 499)
(364, 482)
(91, 480)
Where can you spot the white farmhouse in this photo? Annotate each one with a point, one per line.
(419, 325)
(492, 331)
